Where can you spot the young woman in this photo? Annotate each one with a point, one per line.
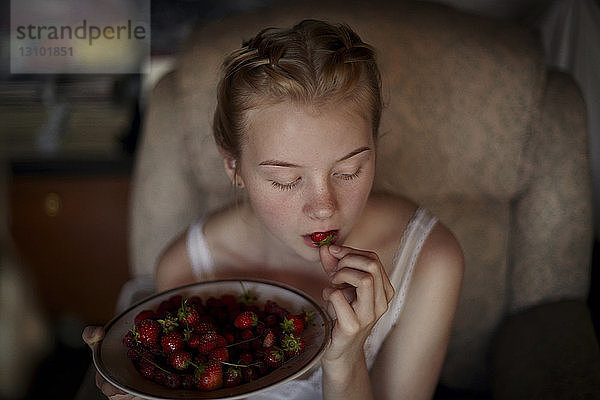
(296, 123)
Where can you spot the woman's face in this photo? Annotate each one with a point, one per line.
(307, 171)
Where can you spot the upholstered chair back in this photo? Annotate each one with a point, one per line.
(474, 128)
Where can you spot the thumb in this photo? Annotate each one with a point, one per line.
(328, 261)
(92, 335)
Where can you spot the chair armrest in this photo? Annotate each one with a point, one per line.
(548, 351)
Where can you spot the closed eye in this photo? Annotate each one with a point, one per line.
(285, 186)
(349, 177)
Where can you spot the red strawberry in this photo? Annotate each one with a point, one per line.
(130, 338)
(293, 324)
(180, 359)
(219, 354)
(272, 307)
(145, 314)
(246, 319)
(188, 381)
(172, 341)
(292, 345)
(147, 368)
(232, 377)
(209, 376)
(323, 238)
(168, 323)
(269, 339)
(148, 331)
(246, 334)
(274, 357)
(194, 340)
(173, 380)
(246, 358)
(188, 316)
(205, 326)
(209, 341)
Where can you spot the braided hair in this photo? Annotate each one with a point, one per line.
(314, 63)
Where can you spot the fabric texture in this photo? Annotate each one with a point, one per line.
(414, 237)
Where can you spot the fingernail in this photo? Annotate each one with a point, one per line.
(335, 249)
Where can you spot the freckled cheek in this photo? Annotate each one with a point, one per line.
(274, 212)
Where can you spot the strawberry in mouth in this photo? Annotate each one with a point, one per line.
(323, 238)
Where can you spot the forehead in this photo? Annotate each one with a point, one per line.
(297, 132)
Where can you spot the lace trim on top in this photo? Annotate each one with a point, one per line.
(412, 241)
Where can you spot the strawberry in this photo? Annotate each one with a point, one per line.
(246, 334)
(180, 359)
(147, 368)
(168, 323)
(274, 357)
(246, 358)
(271, 307)
(269, 339)
(148, 331)
(173, 380)
(246, 319)
(219, 354)
(171, 342)
(145, 314)
(323, 238)
(293, 323)
(188, 381)
(205, 326)
(209, 376)
(292, 345)
(232, 376)
(130, 338)
(187, 315)
(209, 341)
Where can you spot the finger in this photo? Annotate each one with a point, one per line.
(351, 257)
(372, 267)
(326, 295)
(369, 304)
(92, 335)
(347, 319)
(328, 260)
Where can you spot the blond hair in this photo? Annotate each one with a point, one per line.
(313, 63)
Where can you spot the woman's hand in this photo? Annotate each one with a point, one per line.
(359, 295)
(92, 335)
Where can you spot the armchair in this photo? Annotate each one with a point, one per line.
(475, 128)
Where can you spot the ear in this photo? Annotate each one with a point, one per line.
(231, 168)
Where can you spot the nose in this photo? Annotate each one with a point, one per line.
(322, 204)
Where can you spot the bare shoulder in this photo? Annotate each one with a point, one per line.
(441, 256)
(174, 268)
(382, 223)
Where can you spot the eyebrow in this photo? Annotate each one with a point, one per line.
(277, 163)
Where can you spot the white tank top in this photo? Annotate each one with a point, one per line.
(310, 388)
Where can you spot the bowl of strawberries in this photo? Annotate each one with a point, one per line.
(223, 339)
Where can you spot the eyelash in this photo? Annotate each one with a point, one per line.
(349, 177)
(291, 185)
(285, 186)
